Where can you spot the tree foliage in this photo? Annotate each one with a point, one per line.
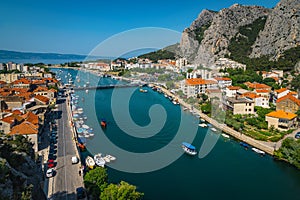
(95, 181)
(122, 191)
(158, 55)
(290, 151)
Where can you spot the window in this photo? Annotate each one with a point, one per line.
(249, 110)
(249, 104)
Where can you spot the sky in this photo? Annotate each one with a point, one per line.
(78, 26)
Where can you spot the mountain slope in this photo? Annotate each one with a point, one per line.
(281, 32)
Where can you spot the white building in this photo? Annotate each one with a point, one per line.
(223, 82)
(260, 101)
(181, 62)
(194, 86)
(231, 91)
(225, 63)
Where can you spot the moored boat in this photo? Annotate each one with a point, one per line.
(203, 125)
(143, 91)
(245, 145)
(225, 135)
(89, 161)
(258, 151)
(112, 158)
(103, 123)
(189, 149)
(106, 158)
(214, 129)
(99, 160)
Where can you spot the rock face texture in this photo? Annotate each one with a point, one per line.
(281, 32)
(189, 43)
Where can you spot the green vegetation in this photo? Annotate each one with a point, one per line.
(15, 152)
(240, 45)
(96, 183)
(122, 191)
(239, 76)
(158, 55)
(199, 32)
(10, 71)
(290, 151)
(296, 82)
(240, 49)
(148, 70)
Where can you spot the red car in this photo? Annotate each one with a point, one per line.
(50, 161)
(51, 165)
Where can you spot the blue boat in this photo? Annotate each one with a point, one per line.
(245, 145)
(189, 149)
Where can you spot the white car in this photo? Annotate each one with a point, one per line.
(50, 173)
(75, 160)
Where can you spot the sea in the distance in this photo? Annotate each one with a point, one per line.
(227, 172)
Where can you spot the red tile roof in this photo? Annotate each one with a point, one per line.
(12, 118)
(32, 118)
(42, 98)
(281, 90)
(40, 89)
(199, 81)
(281, 114)
(22, 81)
(222, 79)
(289, 97)
(262, 91)
(25, 128)
(234, 87)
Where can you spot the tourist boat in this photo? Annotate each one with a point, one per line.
(245, 145)
(214, 129)
(103, 123)
(203, 125)
(225, 135)
(258, 151)
(106, 158)
(189, 149)
(143, 91)
(99, 160)
(110, 157)
(89, 161)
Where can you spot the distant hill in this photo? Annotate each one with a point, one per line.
(4, 54)
(168, 52)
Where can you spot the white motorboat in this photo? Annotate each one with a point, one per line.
(112, 158)
(202, 120)
(106, 158)
(225, 135)
(214, 129)
(203, 125)
(189, 149)
(258, 151)
(99, 160)
(89, 161)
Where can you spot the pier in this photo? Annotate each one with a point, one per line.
(107, 86)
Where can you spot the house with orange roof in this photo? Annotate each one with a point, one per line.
(39, 82)
(31, 117)
(41, 100)
(281, 120)
(240, 105)
(288, 103)
(281, 92)
(223, 82)
(9, 121)
(21, 83)
(27, 129)
(231, 91)
(44, 91)
(13, 101)
(194, 86)
(258, 86)
(258, 100)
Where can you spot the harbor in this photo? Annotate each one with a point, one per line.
(228, 155)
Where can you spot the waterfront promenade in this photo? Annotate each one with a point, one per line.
(267, 147)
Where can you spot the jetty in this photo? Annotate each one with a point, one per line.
(98, 87)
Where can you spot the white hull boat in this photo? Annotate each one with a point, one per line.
(89, 161)
(203, 125)
(258, 151)
(99, 160)
(225, 135)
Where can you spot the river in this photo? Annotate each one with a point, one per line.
(227, 172)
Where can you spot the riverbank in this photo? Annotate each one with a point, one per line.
(268, 148)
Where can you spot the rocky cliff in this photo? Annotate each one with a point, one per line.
(281, 31)
(210, 35)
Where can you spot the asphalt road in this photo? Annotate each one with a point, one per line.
(67, 178)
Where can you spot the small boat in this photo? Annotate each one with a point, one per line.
(225, 135)
(189, 149)
(89, 161)
(202, 120)
(245, 145)
(112, 158)
(203, 125)
(258, 151)
(81, 146)
(99, 160)
(214, 129)
(91, 134)
(143, 91)
(106, 158)
(86, 91)
(103, 123)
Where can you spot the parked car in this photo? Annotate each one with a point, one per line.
(81, 193)
(75, 160)
(50, 173)
(297, 136)
(51, 156)
(51, 165)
